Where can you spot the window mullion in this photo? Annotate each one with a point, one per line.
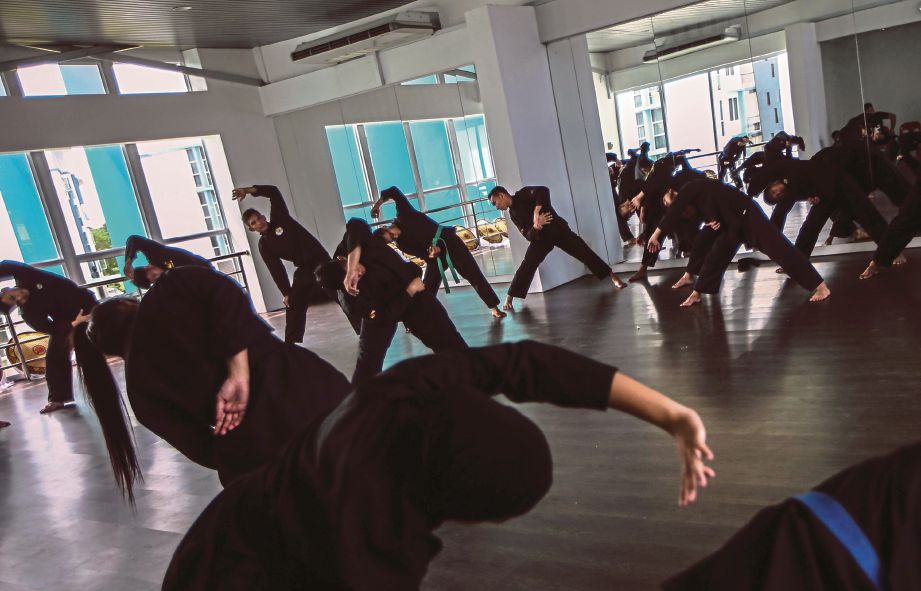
(142, 190)
(368, 167)
(417, 177)
(56, 218)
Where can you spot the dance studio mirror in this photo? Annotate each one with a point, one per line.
(698, 76)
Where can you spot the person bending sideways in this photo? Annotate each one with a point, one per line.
(353, 502)
(534, 216)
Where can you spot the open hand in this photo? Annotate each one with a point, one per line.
(542, 219)
(232, 399)
(240, 192)
(434, 251)
(653, 245)
(352, 277)
(691, 439)
(80, 319)
(714, 225)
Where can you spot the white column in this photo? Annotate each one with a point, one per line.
(807, 86)
(521, 107)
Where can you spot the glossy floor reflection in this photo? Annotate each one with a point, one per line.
(791, 392)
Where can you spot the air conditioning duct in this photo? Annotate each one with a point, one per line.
(731, 34)
(400, 29)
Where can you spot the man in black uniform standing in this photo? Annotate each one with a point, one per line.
(160, 258)
(57, 307)
(726, 161)
(415, 234)
(532, 213)
(283, 238)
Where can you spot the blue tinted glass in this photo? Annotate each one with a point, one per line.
(433, 154)
(389, 210)
(350, 177)
(2, 89)
(82, 79)
(390, 156)
(453, 216)
(483, 210)
(430, 79)
(27, 216)
(452, 79)
(473, 144)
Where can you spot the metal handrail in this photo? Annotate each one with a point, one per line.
(9, 322)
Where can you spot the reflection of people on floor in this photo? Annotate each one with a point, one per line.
(205, 373)
(160, 258)
(354, 500)
(283, 238)
(533, 214)
(737, 219)
(856, 531)
(59, 308)
(420, 236)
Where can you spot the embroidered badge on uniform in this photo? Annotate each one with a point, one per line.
(279, 231)
(38, 286)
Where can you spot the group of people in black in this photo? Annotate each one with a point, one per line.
(336, 483)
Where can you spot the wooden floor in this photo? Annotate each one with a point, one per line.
(791, 392)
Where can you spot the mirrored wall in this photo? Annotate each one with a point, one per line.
(703, 77)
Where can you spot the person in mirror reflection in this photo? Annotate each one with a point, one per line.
(533, 214)
(281, 237)
(159, 257)
(59, 308)
(415, 234)
(726, 161)
(737, 220)
(354, 501)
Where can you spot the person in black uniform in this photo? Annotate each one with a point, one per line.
(871, 119)
(283, 238)
(160, 258)
(380, 291)
(204, 372)
(726, 161)
(353, 502)
(533, 214)
(59, 308)
(414, 233)
(615, 167)
(903, 227)
(737, 219)
(779, 147)
(857, 531)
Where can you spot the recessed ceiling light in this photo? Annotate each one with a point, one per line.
(182, 8)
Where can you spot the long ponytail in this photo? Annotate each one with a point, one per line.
(103, 394)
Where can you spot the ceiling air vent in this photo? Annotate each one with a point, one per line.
(731, 34)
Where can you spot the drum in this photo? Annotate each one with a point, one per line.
(468, 237)
(34, 345)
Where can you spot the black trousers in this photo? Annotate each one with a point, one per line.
(768, 239)
(569, 242)
(465, 265)
(850, 199)
(701, 247)
(728, 166)
(59, 372)
(304, 289)
(901, 229)
(425, 317)
(626, 234)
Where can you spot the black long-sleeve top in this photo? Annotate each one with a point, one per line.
(54, 301)
(712, 201)
(188, 325)
(160, 255)
(345, 507)
(522, 212)
(732, 150)
(287, 240)
(418, 229)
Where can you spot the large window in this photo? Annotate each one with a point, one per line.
(133, 79)
(456, 76)
(63, 79)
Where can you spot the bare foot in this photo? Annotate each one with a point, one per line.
(55, 406)
(871, 270)
(900, 260)
(508, 303)
(497, 313)
(640, 275)
(4, 424)
(820, 293)
(686, 279)
(617, 282)
(860, 235)
(694, 298)
(780, 271)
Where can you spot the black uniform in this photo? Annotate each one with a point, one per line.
(382, 302)
(778, 148)
(687, 222)
(788, 547)
(901, 229)
(614, 174)
(555, 234)
(663, 176)
(54, 302)
(160, 255)
(287, 240)
(418, 232)
(741, 220)
(354, 500)
(727, 159)
(188, 325)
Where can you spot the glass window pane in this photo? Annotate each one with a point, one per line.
(96, 193)
(452, 216)
(473, 145)
(182, 189)
(390, 156)
(106, 268)
(689, 117)
(452, 79)
(389, 210)
(59, 80)
(433, 154)
(132, 79)
(24, 231)
(483, 210)
(430, 79)
(2, 89)
(350, 174)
